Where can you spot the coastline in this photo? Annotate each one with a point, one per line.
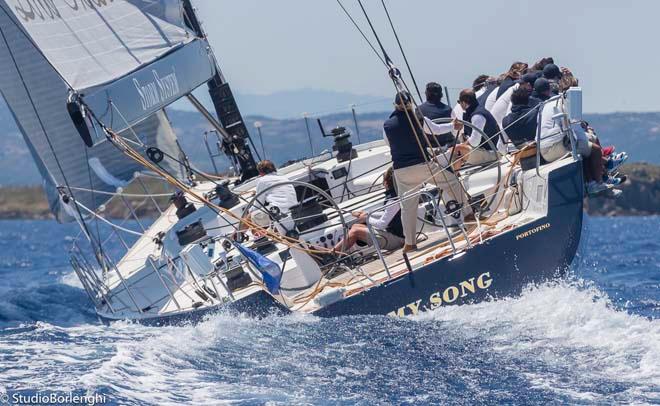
(641, 197)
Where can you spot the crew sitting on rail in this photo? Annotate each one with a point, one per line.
(433, 108)
(506, 80)
(554, 145)
(385, 222)
(521, 123)
(412, 166)
(477, 149)
(503, 106)
(270, 201)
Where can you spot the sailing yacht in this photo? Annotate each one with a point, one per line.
(88, 83)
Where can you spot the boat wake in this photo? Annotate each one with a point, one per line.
(564, 340)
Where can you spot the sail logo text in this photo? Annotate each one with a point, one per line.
(158, 91)
(447, 296)
(29, 10)
(532, 231)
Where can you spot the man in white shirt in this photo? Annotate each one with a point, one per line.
(477, 149)
(275, 200)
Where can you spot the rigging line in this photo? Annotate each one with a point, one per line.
(91, 184)
(361, 32)
(289, 241)
(108, 222)
(401, 48)
(137, 195)
(50, 144)
(366, 15)
(130, 127)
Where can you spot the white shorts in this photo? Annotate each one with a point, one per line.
(554, 151)
(387, 241)
(478, 156)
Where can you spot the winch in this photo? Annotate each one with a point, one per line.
(342, 144)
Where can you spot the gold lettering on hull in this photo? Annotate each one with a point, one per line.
(532, 231)
(446, 296)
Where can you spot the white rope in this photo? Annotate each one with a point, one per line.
(122, 194)
(103, 219)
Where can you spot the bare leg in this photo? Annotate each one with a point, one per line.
(596, 163)
(358, 232)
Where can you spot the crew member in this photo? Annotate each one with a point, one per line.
(521, 123)
(433, 108)
(553, 74)
(412, 167)
(386, 222)
(275, 201)
(478, 149)
(542, 91)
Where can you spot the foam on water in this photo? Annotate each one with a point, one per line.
(564, 341)
(571, 327)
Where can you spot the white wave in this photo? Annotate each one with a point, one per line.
(163, 367)
(570, 327)
(562, 338)
(71, 279)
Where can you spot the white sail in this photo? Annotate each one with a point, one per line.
(95, 42)
(115, 43)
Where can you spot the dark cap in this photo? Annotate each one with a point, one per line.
(541, 85)
(529, 78)
(551, 71)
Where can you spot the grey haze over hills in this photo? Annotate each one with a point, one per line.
(286, 138)
(293, 103)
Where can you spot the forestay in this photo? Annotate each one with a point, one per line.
(128, 59)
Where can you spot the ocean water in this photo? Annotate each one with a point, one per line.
(593, 338)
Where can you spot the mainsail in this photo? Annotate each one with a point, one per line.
(126, 59)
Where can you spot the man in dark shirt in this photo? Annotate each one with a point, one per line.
(433, 108)
(521, 123)
(413, 168)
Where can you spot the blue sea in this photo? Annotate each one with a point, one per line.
(593, 338)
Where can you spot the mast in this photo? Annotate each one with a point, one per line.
(235, 141)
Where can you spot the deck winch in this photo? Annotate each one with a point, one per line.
(342, 144)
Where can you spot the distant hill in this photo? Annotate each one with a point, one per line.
(641, 197)
(293, 103)
(286, 139)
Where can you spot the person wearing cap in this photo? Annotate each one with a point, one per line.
(433, 108)
(541, 92)
(412, 166)
(553, 74)
(503, 106)
(521, 122)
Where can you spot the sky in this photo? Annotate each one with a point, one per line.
(269, 46)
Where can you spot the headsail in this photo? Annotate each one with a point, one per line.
(50, 48)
